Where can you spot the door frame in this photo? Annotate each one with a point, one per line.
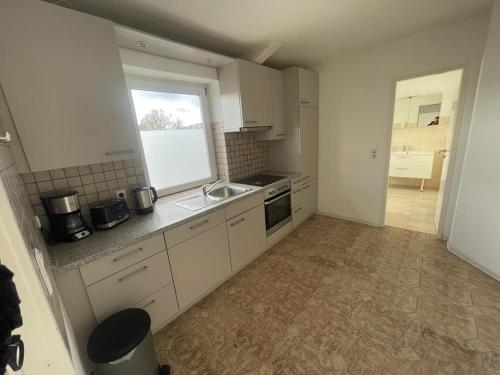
(457, 135)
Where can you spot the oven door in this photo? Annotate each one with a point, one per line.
(278, 211)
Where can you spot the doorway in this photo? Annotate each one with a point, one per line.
(425, 113)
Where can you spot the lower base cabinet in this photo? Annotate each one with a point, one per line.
(161, 306)
(247, 236)
(304, 202)
(199, 264)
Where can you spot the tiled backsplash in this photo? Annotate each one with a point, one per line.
(94, 183)
(239, 154)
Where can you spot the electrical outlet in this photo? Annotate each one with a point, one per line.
(121, 194)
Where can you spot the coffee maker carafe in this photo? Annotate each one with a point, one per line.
(63, 211)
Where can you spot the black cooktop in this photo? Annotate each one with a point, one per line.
(260, 180)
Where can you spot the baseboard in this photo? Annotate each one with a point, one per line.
(461, 255)
(353, 219)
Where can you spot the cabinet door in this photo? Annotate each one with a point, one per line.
(199, 264)
(309, 142)
(310, 197)
(308, 88)
(247, 236)
(256, 94)
(63, 79)
(298, 215)
(278, 89)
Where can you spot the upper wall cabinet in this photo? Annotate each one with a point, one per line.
(64, 83)
(246, 95)
(302, 87)
(278, 131)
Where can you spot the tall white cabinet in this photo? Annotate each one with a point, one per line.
(63, 80)
(298, 152)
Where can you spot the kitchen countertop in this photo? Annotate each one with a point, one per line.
(166, 215)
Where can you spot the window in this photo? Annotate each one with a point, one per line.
(175, 135)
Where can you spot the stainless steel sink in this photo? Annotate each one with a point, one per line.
(227, 191)
(198, 201)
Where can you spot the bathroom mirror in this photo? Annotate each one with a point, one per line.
(428, 115)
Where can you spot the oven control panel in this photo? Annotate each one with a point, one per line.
(278, 189)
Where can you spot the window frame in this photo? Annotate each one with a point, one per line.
(176, 87)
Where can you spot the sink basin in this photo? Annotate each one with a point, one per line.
(227, 191)
(198, 201)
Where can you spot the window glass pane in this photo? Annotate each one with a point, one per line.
(173, 137)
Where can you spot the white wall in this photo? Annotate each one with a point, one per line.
(356, 101)
(476, 227)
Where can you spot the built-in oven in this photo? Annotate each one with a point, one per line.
(278, 207)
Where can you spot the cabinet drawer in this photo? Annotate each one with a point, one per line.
(129, 286)
(199, 264)
(161, 305)
(296, 196)
(421, 160)
(244, 205)
(110, 264)
(410, 172)
(247, 236)
(298, 215)
(194, 227)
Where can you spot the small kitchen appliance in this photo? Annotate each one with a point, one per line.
(145, 198)
(63, 211)
(110, 213)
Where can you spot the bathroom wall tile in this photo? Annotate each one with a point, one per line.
(74, 181)
(108, 166)
(42, 176)
(45, 186)
(60, 184)
(71, 172)
(95, 168)
(99, 177)
(87, 179)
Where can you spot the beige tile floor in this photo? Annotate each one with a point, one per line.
(336, 297)
(409, 208)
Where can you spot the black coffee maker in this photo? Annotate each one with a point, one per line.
(63, 211)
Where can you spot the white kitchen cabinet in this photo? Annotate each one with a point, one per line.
(129, 286)
(161, 306)
(278, 131)
(304, 200)
(247, 236)
(309, 142)
(62, 76)
(199, 264)
(301, 87)
(246, 95)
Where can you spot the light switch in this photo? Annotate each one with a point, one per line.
(373, 153)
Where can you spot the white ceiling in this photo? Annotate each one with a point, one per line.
(311, 31)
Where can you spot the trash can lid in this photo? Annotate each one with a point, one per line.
(118, 335)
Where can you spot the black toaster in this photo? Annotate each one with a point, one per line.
(110, 213)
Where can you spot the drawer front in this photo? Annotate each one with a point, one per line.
(411, 172)
(194, 227)
(298, 215)
(244, 205)
(199, 264)
(108, 265)
(129, 286)
(297, 196)
(296, 181)
(247, 236)
(162, 307)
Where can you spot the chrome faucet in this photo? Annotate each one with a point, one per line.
(207, 187)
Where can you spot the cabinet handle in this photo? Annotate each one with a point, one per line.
(280, 135)
(133, 273)
(297, 191)
(297, 210)
(238, 222)
(200, 224)
(5, 138)
(251, 122)
(153, 301)
(110, 153)
(305, 178)
(307, 187)
(304, 102)
(118, 258)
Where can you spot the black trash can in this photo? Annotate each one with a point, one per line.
(122, 344)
